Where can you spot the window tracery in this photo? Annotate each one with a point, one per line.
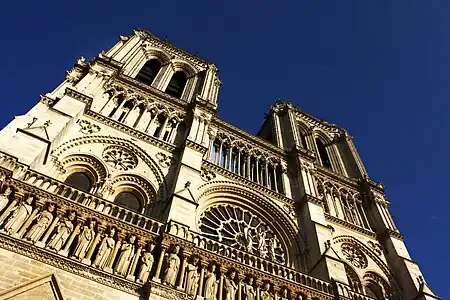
(354, 256)
(241, 229)
(120, 158)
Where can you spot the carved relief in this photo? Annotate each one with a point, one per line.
(375, 247)
(354, 256)
(120, 158)
(87, 127)
(207, 175)
(165, 160)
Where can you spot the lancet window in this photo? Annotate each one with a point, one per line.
(341, 202)
(251, 165)
(177, 84)
(149, 71)
(323, 154)
(154, 119)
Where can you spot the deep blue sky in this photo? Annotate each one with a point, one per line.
(381, 69)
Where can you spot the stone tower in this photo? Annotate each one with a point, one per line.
(122, 183)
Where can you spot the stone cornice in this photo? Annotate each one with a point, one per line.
(131, 131)
(338, 178)
(197, 147)
(244, 181)
(348, 225)
(79, 96)
(249, 138)
(390, 233)
(172, 49)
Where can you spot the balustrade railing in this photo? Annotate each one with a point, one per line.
(345, 292)
(116, 211)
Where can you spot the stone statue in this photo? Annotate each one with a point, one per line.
(4, 198)
(299, 297)
(265, 293)
(84, 240)
(81, 60)
(62, 233)
(192, 277)
(105, 249)
(230, 286)
(125, 257)
(104, 187)
(249, 290)
(18, 216)
(248, 239)
(211, 284)
(44, 219)
(272, 246)
(285, 294)
(173, 264)
(147, 260)
(262, 246)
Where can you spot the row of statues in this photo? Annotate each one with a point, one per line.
(210, 289)
(87, 241)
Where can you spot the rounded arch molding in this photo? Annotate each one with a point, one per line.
(214, 193)
(77, 162)
(137, 184)
(161, 188)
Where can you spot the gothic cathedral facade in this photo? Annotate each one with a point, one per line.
(122, 183)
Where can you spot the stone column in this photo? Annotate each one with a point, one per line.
(17, 196)
(160, 262)
(87, 259)
(23, 229)
(131, 271)
(202, 278)
(220, 289)
(182, 271)
(65, 250)
(109, 267)
(239, 291)
(59, 214)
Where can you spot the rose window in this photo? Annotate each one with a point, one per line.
(120, 158)
(354, 256)
(241, 229)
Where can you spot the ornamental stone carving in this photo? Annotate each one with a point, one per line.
(120, 158)
(18, 216)
(165, 160)
(375, 247)
(87, 127)
(63, 231)
(173, 264)
(147, 261)
(207, 175)
(354, 256)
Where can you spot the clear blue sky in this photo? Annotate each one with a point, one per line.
(381, 69)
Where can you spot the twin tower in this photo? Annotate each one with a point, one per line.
(122, 183)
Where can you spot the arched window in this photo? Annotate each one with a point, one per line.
(303, 140)
(149, 71)
(324, 158)
(177, 84)
(80, 181)
(129, 200)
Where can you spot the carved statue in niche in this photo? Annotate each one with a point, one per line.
(247, 238)
(62, 233)
(211, 284)
(192, 277)
(249, 290)
(84, 240)
(272, 246)
(18, 216)
(147, 261)
(4, 198)
(125, 257)
(262, 246)
(104, 187)
(44, 219)
(173, 264)
(104, 251)
(265, 293)
(285, 294)
(230, 286)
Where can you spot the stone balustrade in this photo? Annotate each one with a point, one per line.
(345, 292)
